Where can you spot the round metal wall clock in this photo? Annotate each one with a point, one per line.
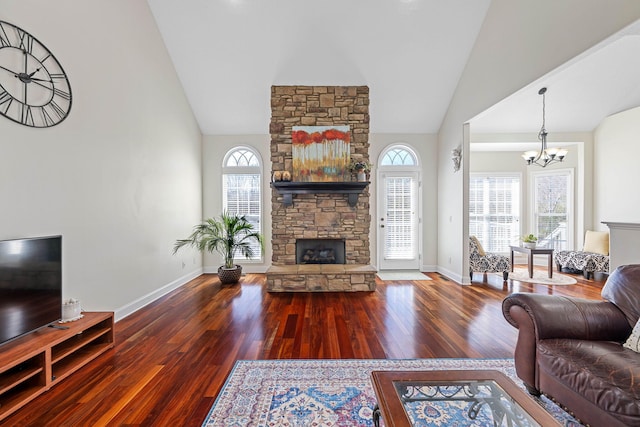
(34, 89)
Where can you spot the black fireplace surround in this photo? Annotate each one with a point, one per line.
(320, 251)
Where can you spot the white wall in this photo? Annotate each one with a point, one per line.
(518, 43)
(120, 178)
(616, 168)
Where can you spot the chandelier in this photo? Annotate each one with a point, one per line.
(545, 156)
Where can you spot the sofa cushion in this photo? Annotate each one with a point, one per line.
(603, 372)
(633, 342)
(623, 289)
(475, 241)
(596, 242)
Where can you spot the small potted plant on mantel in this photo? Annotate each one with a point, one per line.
(529, 241)
(361, 168)
(228, 234)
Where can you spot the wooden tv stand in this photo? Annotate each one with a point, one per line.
(33, 363)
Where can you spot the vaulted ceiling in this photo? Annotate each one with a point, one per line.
(411, 54)
(228, 54)
(580, 94)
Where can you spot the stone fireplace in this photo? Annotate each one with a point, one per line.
(328, 215)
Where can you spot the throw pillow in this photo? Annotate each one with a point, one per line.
(481, 251)
(633, 342)
(596, 242)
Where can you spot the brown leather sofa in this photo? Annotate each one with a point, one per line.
(571, 349)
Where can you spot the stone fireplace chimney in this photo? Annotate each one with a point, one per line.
(325, 214)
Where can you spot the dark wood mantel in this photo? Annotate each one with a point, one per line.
(288, 189)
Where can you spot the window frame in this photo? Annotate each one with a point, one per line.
(533, 220)
(411, 151)
(245, 170)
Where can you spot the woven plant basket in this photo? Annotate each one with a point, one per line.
(229, 275)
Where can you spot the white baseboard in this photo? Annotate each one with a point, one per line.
(428, 268)
(136, 305)
(453, 276)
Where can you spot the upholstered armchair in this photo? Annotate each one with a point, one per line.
(574, 351)
(486, 262)
(593, 257)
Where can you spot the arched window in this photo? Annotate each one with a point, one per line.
(239, 157)
(241, 180)
(399, 156)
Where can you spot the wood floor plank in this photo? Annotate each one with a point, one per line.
(129, 395)
(172, 357)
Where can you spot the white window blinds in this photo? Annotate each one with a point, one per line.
(400, 242)
(494, 210)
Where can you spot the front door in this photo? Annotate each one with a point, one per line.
(398, 220)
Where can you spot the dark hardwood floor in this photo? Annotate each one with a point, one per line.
(172, 357)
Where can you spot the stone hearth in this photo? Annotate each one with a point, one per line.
(322, 277)
(319, 215)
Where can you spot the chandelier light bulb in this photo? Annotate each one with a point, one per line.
(552, 151)
(561, 153)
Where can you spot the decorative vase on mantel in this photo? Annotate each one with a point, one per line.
(362, 177)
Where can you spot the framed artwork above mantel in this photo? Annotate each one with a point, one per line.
(321, 153)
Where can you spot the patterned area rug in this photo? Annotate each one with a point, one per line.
(402, 275)
(331, 392)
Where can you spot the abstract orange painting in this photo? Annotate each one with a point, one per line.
(321, 153)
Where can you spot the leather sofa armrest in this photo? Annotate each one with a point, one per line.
(553, 316)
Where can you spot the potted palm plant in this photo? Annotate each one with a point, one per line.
(228, 234)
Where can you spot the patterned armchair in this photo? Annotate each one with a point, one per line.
(593, 257)
(479, 260)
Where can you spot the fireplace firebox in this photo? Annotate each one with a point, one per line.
(320, 251)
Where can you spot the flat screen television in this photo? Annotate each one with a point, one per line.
(30, 285)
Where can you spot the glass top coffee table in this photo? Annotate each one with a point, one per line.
(429, 398)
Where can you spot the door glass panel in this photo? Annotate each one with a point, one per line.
(400, 242)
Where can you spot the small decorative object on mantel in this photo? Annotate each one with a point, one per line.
(278, 176)
(456, 156)
(361, 168)
(529, 241)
